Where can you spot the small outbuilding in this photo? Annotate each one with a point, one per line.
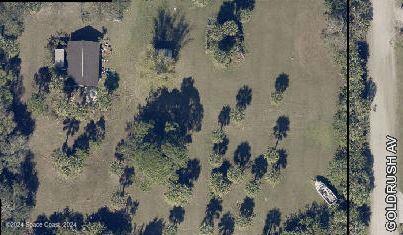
(83, 59)
(59, 58)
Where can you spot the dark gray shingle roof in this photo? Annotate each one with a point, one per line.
(83, 62)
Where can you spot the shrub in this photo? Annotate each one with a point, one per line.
(37, 105)
(235, 175)
(117, 167)
(216, 159)
(170, 229)
(237, 115)
(93, 228)
(118, 200)
(157, 68)
(218, 136)
(67, 166)
(219, 185)
(276, 98)
(252, 188)
(201, 3)
(178, 195)
(244, 223)
(206, 227)
(271, 155)
(273, 177)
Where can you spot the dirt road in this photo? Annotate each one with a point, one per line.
(383, 120)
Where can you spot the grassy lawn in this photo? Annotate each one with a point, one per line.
(282, 36)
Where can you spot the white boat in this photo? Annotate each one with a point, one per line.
(325, 193)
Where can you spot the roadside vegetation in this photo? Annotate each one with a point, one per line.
(361, 93)
(225, 41)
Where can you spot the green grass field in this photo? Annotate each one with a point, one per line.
(282, 36)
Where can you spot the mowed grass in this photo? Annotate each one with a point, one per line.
(282, 37)
(399, 71)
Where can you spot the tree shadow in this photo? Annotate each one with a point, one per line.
(66, 215)
(369, 159)
(22, 117)
(93, 132)
(223, 169)
(181, 107)
(177, 215)
(314, 212)
(242, 154)
(214, 208)
(126, 179)
(131, 206)
(259, 167)
(226, 13)
(224, 116)
(369, 90)
(118, 222)
(42, 79)
(30, 178)
(189, 174)
(364, 214)
(226, 225)
(244, 97)
(154, 227)
(69, 86)
(25, 124)
(221, 148)
(282, 160)
(272, 223)
(71, 126)
(282, 82)
(111, 81)
(245, 4)
(87, 33)
(281, 128)
(170, 31)
(247, 207)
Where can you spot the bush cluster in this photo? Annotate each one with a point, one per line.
(225, 33)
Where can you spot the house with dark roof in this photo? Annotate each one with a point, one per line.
(83, 61)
